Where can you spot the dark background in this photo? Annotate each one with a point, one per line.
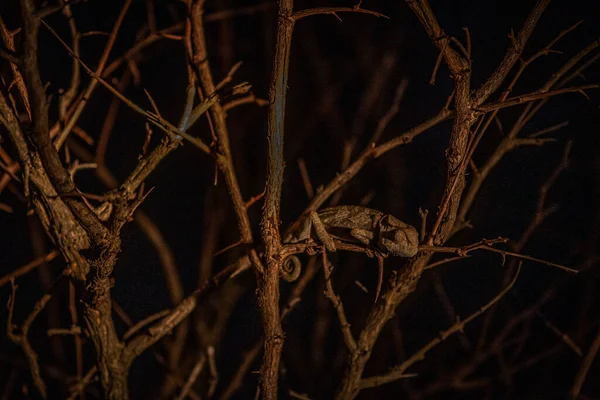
(332, 66)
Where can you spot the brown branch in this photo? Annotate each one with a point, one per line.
(135, 50)
(146, 225)
(532, 96)
(398, 372)
(199, 55)
(345, 176)
(371, 95)
(556, 81)
(484, 352)
(141, 342)
(22, 339)
(445, 261)
(268, 280)
(507, 142)
(79, 387)
(73, 330)
(238, 377)
(212, 370)
(542, 211)
(92, 85)
(71, 93)
(54, 214)
(449, 308)
(28, 267)
(239, 11)
(391, 112)
(438, 62)
(563, 336)
(306, 182)
(78, 342)
(9, 42)
(333, 11)
(584, 368)
(336, 301)
(110, 119)
(401, 285)
(249, 356)
(485, 244)
(97, 309)
(512, 55)
(172, 131)
(465, 118)
(39, 106)
(525, 257)
(192, 378)
(248, 99)
(9, 56)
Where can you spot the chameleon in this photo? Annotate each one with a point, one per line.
(351, 224)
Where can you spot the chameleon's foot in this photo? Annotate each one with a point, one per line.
(321, 232)
(290, 269)
(370, 253)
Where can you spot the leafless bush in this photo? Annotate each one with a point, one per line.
(148, 134)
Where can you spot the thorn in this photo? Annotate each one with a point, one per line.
(584, 94)
(361, 286)
(379, 277)
(231, 246)
(254, 199)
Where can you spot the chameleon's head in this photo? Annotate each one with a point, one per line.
(397, 237)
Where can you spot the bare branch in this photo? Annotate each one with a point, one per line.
(398, 372)
(268, 281)
(512, 55)
(333, 11)
(533, 96)
(28, 267)
(339, 306)
(90, 89)
(586, 364)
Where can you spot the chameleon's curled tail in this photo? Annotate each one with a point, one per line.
(290, 269)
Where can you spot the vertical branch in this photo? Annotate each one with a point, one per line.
(62, 137)
(97, 306)
(268, 296)
(585, 367)
(465, 118)
(224, 158)
(40, 127)
(403, 284)
(512, 55)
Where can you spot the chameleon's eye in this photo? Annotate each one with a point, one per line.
(400, 242)
(409, 235)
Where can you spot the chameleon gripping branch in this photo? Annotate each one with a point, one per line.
(352, 224)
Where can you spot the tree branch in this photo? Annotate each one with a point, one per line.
(512, 55)
(268, 281)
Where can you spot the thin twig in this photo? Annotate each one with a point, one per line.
(533, 96)
(28, 267)
(398, 372)
(192, 378)
(585, 366)
(339, 306)
(62, 137)
(333, 11)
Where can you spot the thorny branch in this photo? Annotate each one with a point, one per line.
(90, 243)
(401, 285)
(268, 279)
(399, 372)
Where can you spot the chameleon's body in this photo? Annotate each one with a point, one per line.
(355, 224)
